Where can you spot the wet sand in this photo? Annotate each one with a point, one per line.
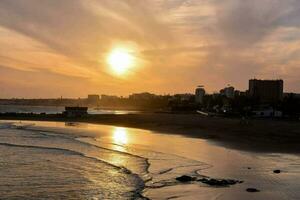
(263, 135)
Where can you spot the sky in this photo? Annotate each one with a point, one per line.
(54, 48)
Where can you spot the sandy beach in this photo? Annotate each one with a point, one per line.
(262, 135)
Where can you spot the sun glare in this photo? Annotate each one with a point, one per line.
(120, 61)
(120, 135)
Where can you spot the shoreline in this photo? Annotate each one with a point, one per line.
(270, 136)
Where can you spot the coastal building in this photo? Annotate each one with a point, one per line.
(228, 92)
(142, 96)
(93, 99)
(266, 91)
(109, 97)
(183, 97)
(293, 95)
(75, 111)
(199, 94)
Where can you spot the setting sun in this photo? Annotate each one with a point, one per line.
(120, 60)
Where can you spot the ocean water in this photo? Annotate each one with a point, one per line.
(55, 160)
(55, 110)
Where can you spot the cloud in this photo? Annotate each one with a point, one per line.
(248, 22)
(82, 29)
(209, 41)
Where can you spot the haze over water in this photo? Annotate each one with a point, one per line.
(55, 160)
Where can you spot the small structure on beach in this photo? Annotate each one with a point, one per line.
(75, 111)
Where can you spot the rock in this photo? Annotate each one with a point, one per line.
(185, 178)
(219, 182)
(252, 190)
(277, 171)
(248, 167)
(209, 181)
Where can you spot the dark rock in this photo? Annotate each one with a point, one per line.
(248, 167)
(277, 171)
(185, 178)
(252, 190)
(219, 182)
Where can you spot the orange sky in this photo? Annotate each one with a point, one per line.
(55, 48)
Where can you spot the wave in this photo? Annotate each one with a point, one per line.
(50, 133)
(122, 169)
(70, 152)
(66, 151)
(161, 177)
(146, 176)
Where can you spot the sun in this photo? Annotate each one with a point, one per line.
(120, 60)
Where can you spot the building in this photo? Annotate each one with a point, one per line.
(109, 98)
(75, 111)
(293, 95)
(228, 92)
(183, 97)
(266, 91)
(142, 96)
(199, 94)
(93, 99)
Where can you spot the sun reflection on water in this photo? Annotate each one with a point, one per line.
(120, 135)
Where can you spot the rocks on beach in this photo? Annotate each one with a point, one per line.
(185, 178)
(209, 181)
(252, 190)
(219, 182)
(276, 171)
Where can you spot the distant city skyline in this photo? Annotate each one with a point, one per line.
(190, 91)
(227, 90)
(55, 48)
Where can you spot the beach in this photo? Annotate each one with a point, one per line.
(265, 135)
(55, 160)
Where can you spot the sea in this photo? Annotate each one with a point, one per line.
(56, 109)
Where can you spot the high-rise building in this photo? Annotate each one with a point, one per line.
(199, 94)
(266, 91)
